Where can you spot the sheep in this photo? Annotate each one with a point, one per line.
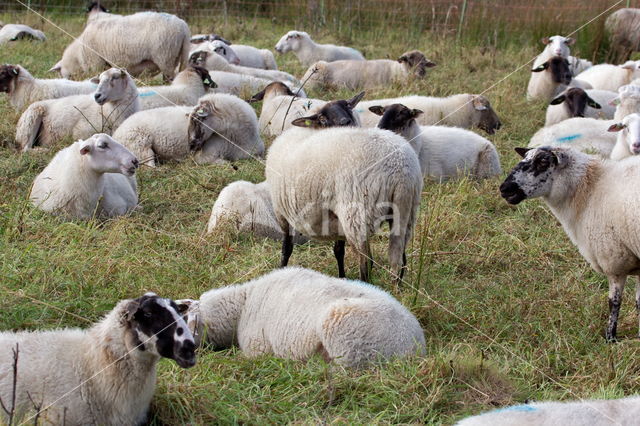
(87, 178)
(576, 102)
(80, 116)
(240, 84)
(341, 183)
(444, 152)
(623, 26)
(248, 207)
(126, 41)
(188, 86)
(23, 89)
(551, 78)
(201, 38)
(624, 411)
(610, 77)
(463, 110)
(309, 52)
(246, 56)
(355, 74)
(206, 57)
(628, 139)
(102, 375)
(559, 46)
(577, 65)
(596, 202)
(13, 32)
(296, 313)
(627, 102)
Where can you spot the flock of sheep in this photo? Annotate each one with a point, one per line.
(336, 171)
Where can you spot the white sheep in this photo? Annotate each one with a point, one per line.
(577, 65)
(628, 139)
(463, 110)
(552, 77)
(610, 77)
(80, 116)
(247, 206)
(623, 27)
(243, 85)
(187, 87)
(246, 56)
(576, 102)
(13, 32)
(23, 89)
(604, 412)
(102, 375)
(596, 201)
(559, 46)
(309, 52)
(356, 75)
(87, 178)
(444, 152)
(296, 313)
(142, 41)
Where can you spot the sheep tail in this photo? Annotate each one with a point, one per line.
(488, 163)
(28, 127)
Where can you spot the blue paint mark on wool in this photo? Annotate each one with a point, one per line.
(569, 138)
(149, 93)
(523, 408)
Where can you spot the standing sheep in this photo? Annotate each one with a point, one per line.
(142, 41)
(596, 201)
(628, 140)
(296, 313)
(576, 102)
(188, 86)
(551, 78)
(610, 77)
(89, 177)
(356, 75)
(80, 116)
(309, 52)
(13, 32)
(103, 375)
(623, 27)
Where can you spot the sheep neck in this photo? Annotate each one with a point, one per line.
(116, 112)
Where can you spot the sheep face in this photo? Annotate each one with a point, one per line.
(533, 176)
(291, 41)
(575, 101)
(559, 69)
(276, 88)
(416, 61)
(112, 86)
(105, 155)
(201, 124)
(225, 51)
(8, 75)
(395, 117)
(558, 45)
(334, 114)
(630, 128)
(155, 327)
(483, 115)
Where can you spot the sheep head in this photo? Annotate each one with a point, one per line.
(8, 75)
(416, 61)
(333, 114)
(395, 117)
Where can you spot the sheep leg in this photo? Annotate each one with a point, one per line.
(616, 285)
(287, 243)
(338, 251)
(397, 255)
(365, 260)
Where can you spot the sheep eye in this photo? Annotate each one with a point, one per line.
(103, 145)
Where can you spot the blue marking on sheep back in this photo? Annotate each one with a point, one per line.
(523, 408)
(149, 93)
(568, 138)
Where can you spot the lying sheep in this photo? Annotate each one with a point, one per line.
(444, 152)
(596, 202)
(551, 78)
(102, 375)
(559, 46)
(296, 313)
(628, 139)
(627, 102)
(610, 77)
(126, 41)
(576, 102)
(87, 178)
(23, 89)
(356, 74)
(309, 52)
(246, 56)
(247, 206)
(188, 86)
(80, 116)
(593, 412)
(243, 85)
(13, 32)
(462, 110)
(577, 65)
(623, 27)
(330, 184)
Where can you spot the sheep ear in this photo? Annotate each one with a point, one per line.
(309, 122)
(593, 104)
(131, 309)
(478, 105)
(545, 40)
(95, 80)
(183, 305)
(557, 100)
(85, 148)
(429, 64)
(377, 109)
(403, 58)
(522, 152)
(541, 67)
(616, 127)
(629, 65)
(354, 101)
(416, 112)
(56, 67)
(615, 101)
(258, 96)
(570, 41)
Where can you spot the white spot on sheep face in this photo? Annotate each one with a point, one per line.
(105, 155)
(532, 177)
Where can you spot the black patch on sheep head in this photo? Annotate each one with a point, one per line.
(278, 87)
(488, 120)
(8, 75)
(96, 6)
(417, 62)
(532, 177)
(205, 76)
(198, 58)
(559, 68)
(575, 101)
(333, 114)
(156, 325)
(395, 117)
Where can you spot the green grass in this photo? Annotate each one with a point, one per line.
(510, 309)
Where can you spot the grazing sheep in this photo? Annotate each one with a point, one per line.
(23, 89)
(628, 140)
(126, 41)
(341, 183)
(623, 27)
(610, 77)
(296, 313)
(248, 207)
(596, 202)
(87, 178)
(576, 102)
(13, 32)
(606, 412)
(80, 116)
(462, 110)
(356, 75)
(188, 86)
(309, 52)
(246, 56)
(102, 375)
(551, 78)
(444, 152)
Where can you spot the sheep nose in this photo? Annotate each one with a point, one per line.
(636, 145)
(97, 97)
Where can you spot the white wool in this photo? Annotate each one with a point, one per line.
(309, 52)
(239, 84)
(560, 112)
(623, 27)
(577, 65)
(611, 77)
(12, 32)
(187, 87)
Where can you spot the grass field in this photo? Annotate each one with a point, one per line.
(510, 310)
